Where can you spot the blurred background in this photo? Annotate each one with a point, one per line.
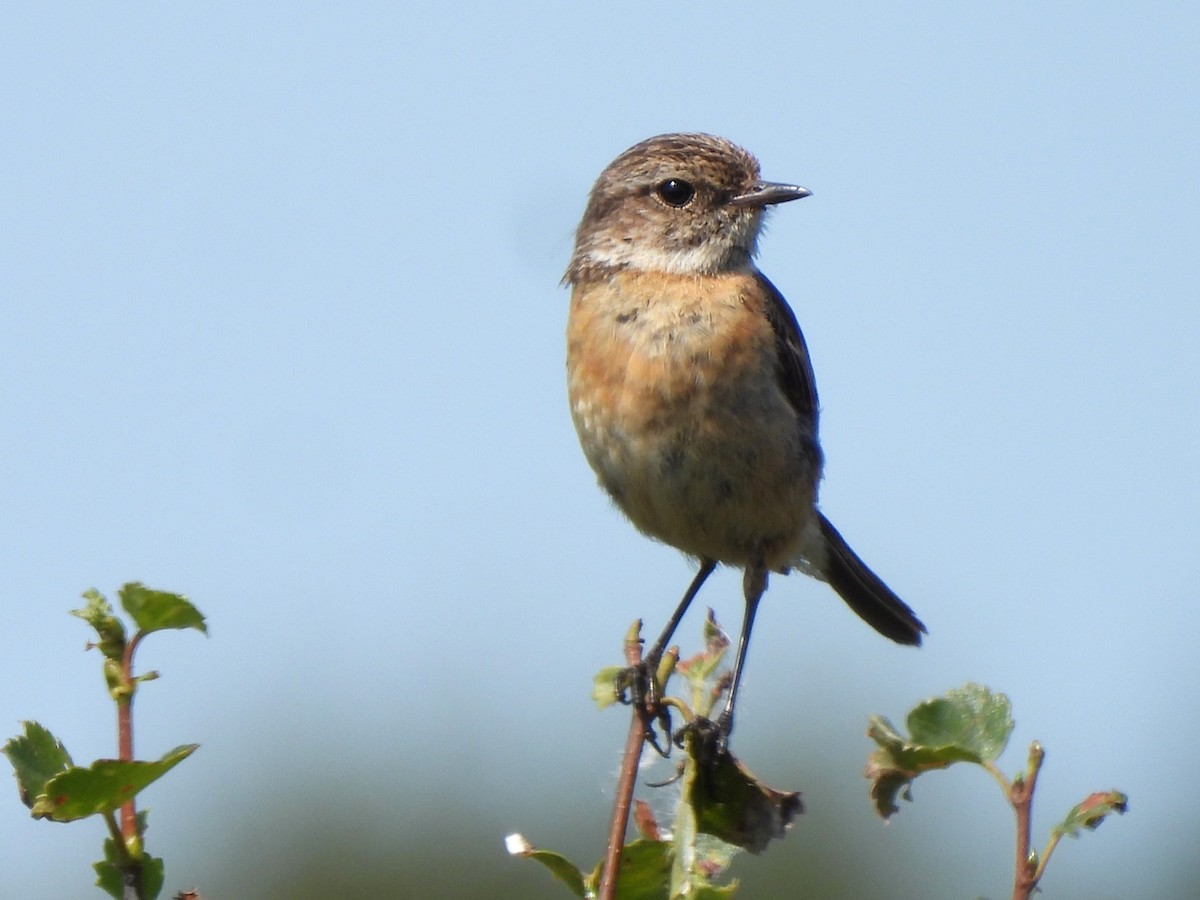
(282, 331)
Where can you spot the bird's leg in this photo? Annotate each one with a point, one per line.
(712, 737)
(707, 566)
(754, 585)
(640, 680)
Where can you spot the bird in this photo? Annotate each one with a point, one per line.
(691, 387)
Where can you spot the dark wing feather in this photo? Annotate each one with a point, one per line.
(795, 368)
(863, 590)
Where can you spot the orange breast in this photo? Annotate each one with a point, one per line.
(675, 394)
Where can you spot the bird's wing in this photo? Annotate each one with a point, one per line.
(795, 368)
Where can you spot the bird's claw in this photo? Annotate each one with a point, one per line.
(637, 686)
(710, 738)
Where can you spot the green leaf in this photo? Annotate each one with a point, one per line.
(109, 871)
(970, 724)
(732, 805)
(700, 668)
(560, 867)
(722, 810)
(644, 872)
(98, 613)
(110, 876)
(78, 792)
(158, 610)
(111, 880)
(604, 685)
(36, 758)
(712, 892)
(153, 876)
(971, 718)
(1092, 812)
(703, 672)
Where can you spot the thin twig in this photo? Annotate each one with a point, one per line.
(625, 781)
(125, 732)
(132, 862)
(1021, 797)
(1041, 866)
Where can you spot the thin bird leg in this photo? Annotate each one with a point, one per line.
(754, 586)
(640, 680)
(706, 568)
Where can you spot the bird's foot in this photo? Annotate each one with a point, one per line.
(638, 686)
(710, 739)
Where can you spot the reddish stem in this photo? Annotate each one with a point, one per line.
(625, 783)
(129, 829)
(1020, 795)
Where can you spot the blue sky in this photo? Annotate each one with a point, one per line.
(282, 331)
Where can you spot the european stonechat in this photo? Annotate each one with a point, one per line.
(691, 386)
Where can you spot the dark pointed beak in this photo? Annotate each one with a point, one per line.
(768, 193)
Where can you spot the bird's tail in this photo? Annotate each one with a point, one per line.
(865, 593)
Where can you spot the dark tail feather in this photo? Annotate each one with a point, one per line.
(865, 593)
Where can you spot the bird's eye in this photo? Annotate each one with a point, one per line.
(676, 192)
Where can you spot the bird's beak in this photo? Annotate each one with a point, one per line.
(768, 193)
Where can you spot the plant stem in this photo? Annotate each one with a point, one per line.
(1020, 795)
(130, 868)
(625, 782)
(115, 833)
(1041, 867)
(125, 733)
(129, 841)
(1001, 779)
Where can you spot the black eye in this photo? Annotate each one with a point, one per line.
(676, 192)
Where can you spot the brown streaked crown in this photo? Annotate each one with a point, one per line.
(664, 205)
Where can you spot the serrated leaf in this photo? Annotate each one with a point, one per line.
(159, 610)
(971, 718)
(704, 672)
(732, 805)
(700, 668)
(110, 630)
(110, 874)
(111, 880)
(108, 877)
(36, 757)
(722, 810)
(970, 724)
(560, 867)
(102, 787)
(892, 768)
(1092, 812)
